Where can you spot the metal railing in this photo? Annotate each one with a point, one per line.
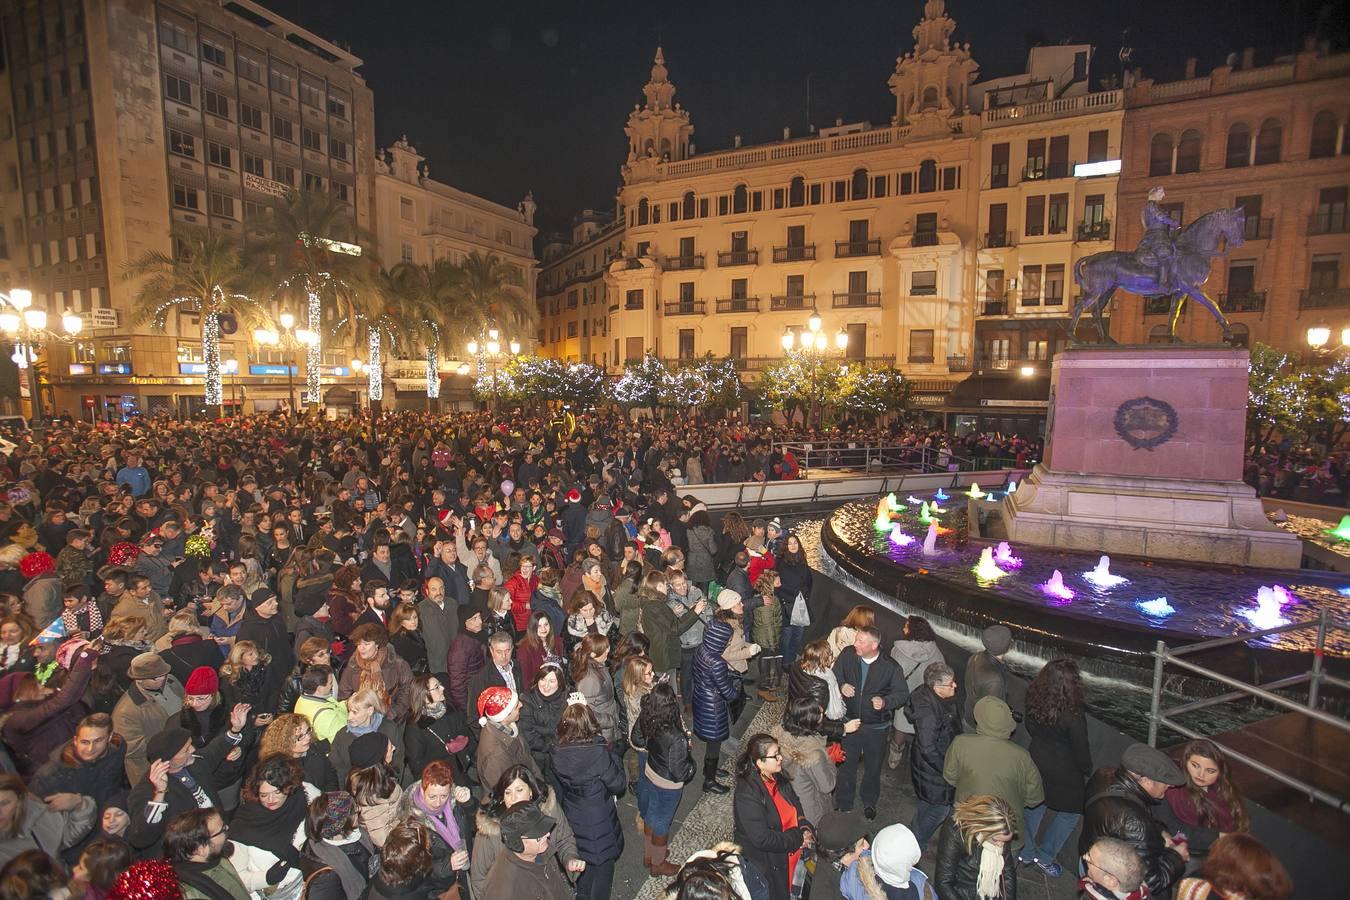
(1244, 301)
(680, 263)
(1094, 231)
(737, 304)
(844, 249)
(1258, 229)
(995, 239)
(686, 307)
(997, 307)
(844, 299)
(876, 456)
(737, 257)
(794, 254)
(791, 301)
(924, 239)
(806, 492)
(1324, 298)
(1315, 678)
(1332, 221)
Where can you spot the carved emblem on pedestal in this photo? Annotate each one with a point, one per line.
(1145, 423)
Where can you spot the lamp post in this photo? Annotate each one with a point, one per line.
(814, 345)
(1319, 339)
(28, 327)
(491, 349)
(289, 339)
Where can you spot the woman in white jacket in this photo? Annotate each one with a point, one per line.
(269, 830)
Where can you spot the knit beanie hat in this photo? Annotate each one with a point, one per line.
(166, 744)
(368, 750)
(334, 824)
(895, 853)
(203, 680)
(996, 639)
(495, 704)
(260, 596)
(727, 599)
(465, 613)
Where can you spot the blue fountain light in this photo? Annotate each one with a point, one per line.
(942, 495)
(1158, 608)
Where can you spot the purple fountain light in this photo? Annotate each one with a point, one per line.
(1057, 589)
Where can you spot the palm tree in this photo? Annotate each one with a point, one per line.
(299, 256)
(207, 278)
(427, 295)
(490, 294)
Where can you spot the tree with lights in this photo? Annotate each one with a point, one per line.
(1277, 395)
(874, 392)
(801, 382)
(1328, 407)
(428, 292)
(640, 385)
(309, 254)
(583, 385)
(722, 383)
(206, 278)
(488, 294)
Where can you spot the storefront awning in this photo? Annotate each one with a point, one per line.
(989, 393)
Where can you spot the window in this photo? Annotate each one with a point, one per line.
(951, 178)
(72, 248)
(309, 139)
(1160, 155)
(686, 295)
(740, 342)
(1188, 152)
(644, 211)
(1268, 143)
(740, 242)
(1038, 350)
(250, 116)
(1059, 213)
(906, 183)
(255, 211)
(283, 173)
(571, 329)
(1323, 142)
(998, 166)
(1054, 285)
(927, 176)
(406, 253)
(817, 194)
(1094, 210)
(311, 182)
(1325, 273)
(797, 191)
(213, 53)
(1058, 166)
(178, 90)
(1031, 285)
(1251, 207)
(1035, 159)
(221, 205)
(311, 95)
(923, 284)
(249, 66)
(337, 149)
(739, 199)
(337, 107)
(879, 186)
(1241, 278)
(253, 164)
(342, 191)
(185, 197)
(1331, 205)
(858, 185)
(219, 155)
(925, 230)
(740, 289)
(704, 205)
(686, 343)
(921, 345)
(216, 104)
(1097, 145)
(182, 144)
(283, 129)
(687, 208)
(1237, 154)
(281, 82)
(993, 284)
(633, 300)
(1035, 218)
(174, 35)
(796, 285)
(405, 209)
(93, 245)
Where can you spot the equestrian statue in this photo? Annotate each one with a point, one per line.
(1171, 261)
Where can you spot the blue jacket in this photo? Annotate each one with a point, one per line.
(852, 887)
(136, 478)
(714, 687)
(591, 776)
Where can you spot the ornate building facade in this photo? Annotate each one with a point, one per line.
(574, 301)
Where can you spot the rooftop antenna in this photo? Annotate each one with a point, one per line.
(810, 121)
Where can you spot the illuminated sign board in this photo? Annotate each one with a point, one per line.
(81, 368)
(272, 370)
(227, 367)
(114, 368)
(1105, 167)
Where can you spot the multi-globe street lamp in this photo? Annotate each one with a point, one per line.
(289, 339)
(1319, 339)
(814, 345)
(28, 327)
(490, 350)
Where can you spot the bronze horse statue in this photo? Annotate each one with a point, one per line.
(1195, 245)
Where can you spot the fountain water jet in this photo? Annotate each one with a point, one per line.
(975, 493)
(1158, 608)
(1101, 576)
(1003, 555)
(942, 495)
(1056, 587)
(930, 541)
(986, 569)
(898, 536)
(1341, 531)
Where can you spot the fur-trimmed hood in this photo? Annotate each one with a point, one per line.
(801, 750)
(489, 825)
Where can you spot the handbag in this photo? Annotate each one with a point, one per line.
(835, 752)
(801, 615)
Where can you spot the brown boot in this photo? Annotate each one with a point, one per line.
(661, 866)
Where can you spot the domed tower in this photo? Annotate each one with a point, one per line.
(658, 130)
(930, 83)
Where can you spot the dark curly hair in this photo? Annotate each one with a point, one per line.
(1057, 690)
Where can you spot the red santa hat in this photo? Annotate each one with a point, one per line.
(496, 703)
(574, 496)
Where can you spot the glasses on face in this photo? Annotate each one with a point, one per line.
(1090, 865)
(224, 830)
(778, 755)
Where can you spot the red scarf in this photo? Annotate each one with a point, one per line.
(787, 814)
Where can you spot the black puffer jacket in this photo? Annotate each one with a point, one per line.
(1118, 807)
(539, 718)
(667, 753)
(936, 723)
(591, 777)
(801, 684)
(959, 871)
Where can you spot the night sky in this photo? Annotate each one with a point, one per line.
(507, 96)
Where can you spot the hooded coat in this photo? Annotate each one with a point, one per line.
(713, 686)
(988, 762)
(812, 771)
(936, 723)
(591, 777)
(913, 657)
(48, 830)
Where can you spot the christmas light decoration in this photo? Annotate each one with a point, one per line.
(375, 363)
(313, 352)
(433, 373)
(212, 389)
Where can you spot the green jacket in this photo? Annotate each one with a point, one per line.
(222, 873)
(327, 715)
(663, 628)
(988, 762)
(768, 627)
(626, 602)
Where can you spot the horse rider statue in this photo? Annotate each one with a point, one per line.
(1157, 248)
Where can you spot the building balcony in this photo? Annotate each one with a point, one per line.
(1332, 221)
(847, 249)
(1243, 302)
(681, 263)
(1157, 306)
(916, 359)
(804, 253)
(856, 299)
(995, 239)
(737, 257)
(924, 239)
(1039, 170)
(958, 364)
(785, 302)
(1258, 229)
(1324, 298)
(1094, 231)
(994, 307)
(737, 305)
(686, 307)
(1013, 362)
(631, 306)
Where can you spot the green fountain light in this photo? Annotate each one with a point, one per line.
(1341, 531)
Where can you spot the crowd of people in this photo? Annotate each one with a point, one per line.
(423, 656)
(1302, 473)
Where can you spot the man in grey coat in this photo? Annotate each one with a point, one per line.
(986, 675)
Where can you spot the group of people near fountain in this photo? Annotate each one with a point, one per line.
(1300, 473)
(355, 660)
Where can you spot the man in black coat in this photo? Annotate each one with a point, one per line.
(874, 688)
(986, 675)
(936, 718)
(264, 626)
(90, 763)
(500, 666)
(1119, 806)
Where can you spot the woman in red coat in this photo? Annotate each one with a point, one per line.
(521, 586)
(539, 643)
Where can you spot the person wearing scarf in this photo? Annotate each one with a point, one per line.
(885, 869)
(271, 819)
(975, 851)
(195, 843)
(448, 811)
(335, 840)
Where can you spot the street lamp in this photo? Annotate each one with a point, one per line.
(814, 344)
(489, 348)
(289, 339)
(27, 325)
(1319, 339)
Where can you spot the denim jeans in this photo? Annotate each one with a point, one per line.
(790, 644)
(1045, 848)
(661, 806)
(928, 818)
(596, 882)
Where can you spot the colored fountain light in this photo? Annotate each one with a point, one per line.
(1056, 587)
(1268, 612)
(1012, 487)
(1158, 608)
(914, 500)
(1341, 531)
(898, 536)
(930, 541)
(892, 503)
(975, 493)
(883, 515)
(986, 569)
(1003, 555)
(925, 516)
(1102, 577)
(942, 495)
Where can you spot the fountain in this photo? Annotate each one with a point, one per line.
(1056, 588)
(898, 536)
(1012, 487)
(1341, 531)
(883, 515)
(1102, 577)
(941, 495)
(912, 499)
(1268, 612)
(1003, 555)
(986, 569)
(930, 541)
(891, 503)
(1157, 608)
(924, 515)
(975, 493)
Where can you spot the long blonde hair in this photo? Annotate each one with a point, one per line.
(981, 817)
(232, 667)
(635, 685)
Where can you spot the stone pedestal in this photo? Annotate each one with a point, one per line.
(1143, 457)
